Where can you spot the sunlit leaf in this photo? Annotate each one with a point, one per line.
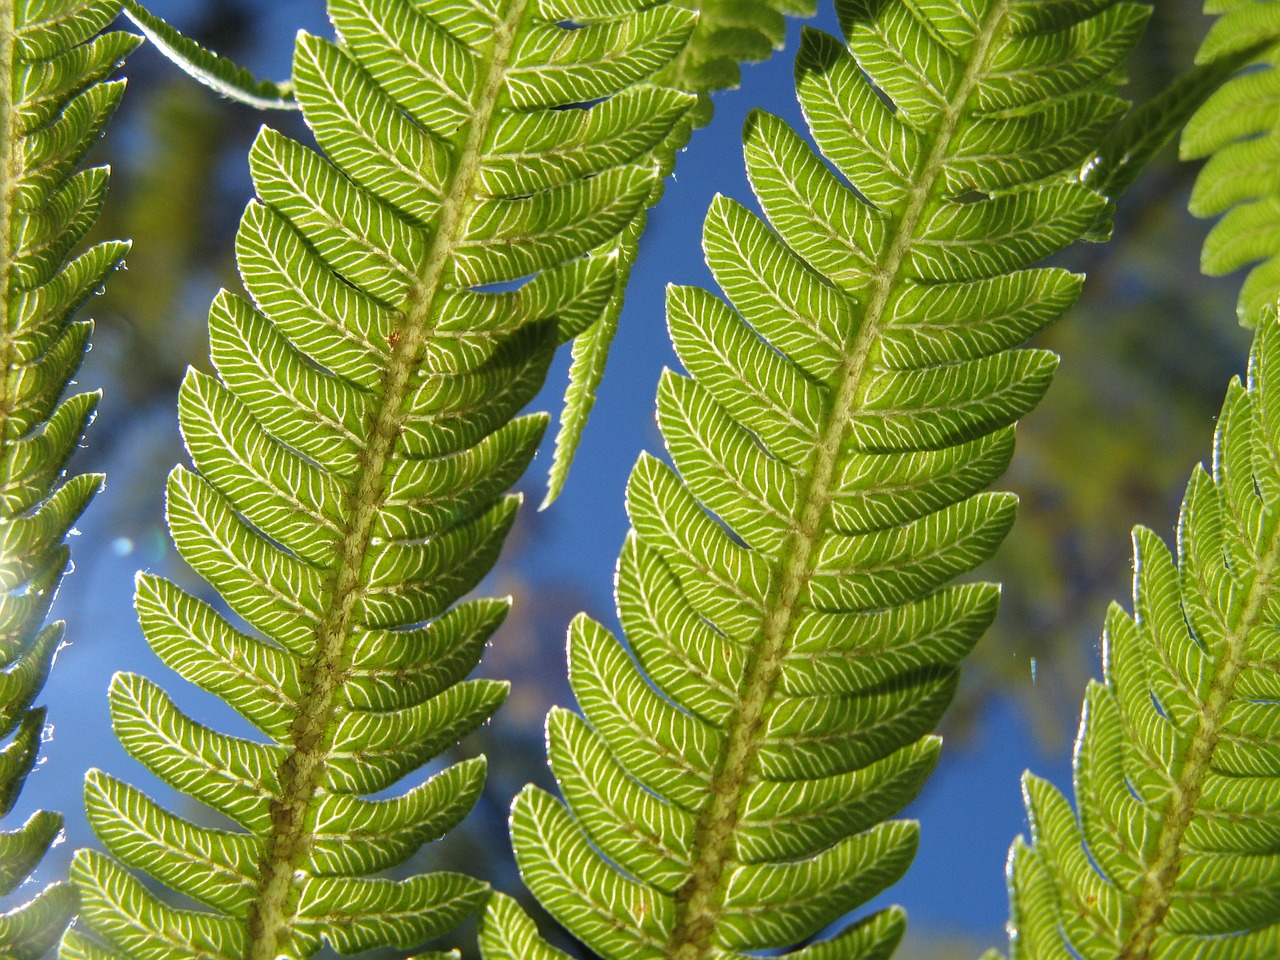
(792, 635)
(1237, 130)
(350, 462)
(1170, 851)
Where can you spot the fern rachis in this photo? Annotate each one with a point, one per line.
(327, 670)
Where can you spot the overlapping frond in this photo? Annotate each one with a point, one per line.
(791, 632)
(1171, 852)
(55, 99)
(729, 33)
(406, 291)
(1238, 129)
(1146, 130)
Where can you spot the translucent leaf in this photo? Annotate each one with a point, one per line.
(1235, 128)
(56, 71)
(216, 72)
(727, 33)
(791, 634)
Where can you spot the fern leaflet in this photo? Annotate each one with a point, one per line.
(1127, 150)
(1238, 129)
(352, 456)
(729, 33)
(214, 71)
(1172, 853)
(727, 786)
(54, 101)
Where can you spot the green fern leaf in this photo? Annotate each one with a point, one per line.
(791, 633)
(1238, 129)
(729, 34)
(1133, 142)
(56, 63)
(351, 458)
(1171, 852)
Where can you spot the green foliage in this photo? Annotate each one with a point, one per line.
(1171, 854)
(1168, 853)
(1238, 129)
(214, 71)
(351, 459)
(792, 631)
(728, 32)
(1131, 145)
(54, 61)
(726, 787)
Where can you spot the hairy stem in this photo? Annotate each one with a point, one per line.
(700, 901)
(8, 179)
(310, 738)
(1156, 893)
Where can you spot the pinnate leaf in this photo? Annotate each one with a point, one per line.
(1168, 852)
(791, 633)
(56, 67)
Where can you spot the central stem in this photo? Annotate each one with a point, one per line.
(10, 166)
(271, 915)
(700, 901)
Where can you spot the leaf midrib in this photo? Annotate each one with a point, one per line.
(700, 901)
(8, 184)
(1155, 896)
(273, 911)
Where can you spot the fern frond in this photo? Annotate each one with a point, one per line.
(54, 100)
(214, 71)
(1171, 852)
(351, 461)
(729, 32)
(791, 634)
(1238, 129)
(1133, 143)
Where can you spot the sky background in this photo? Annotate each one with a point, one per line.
(1130, 418)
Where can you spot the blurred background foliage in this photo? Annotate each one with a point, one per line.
(1147, 354)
